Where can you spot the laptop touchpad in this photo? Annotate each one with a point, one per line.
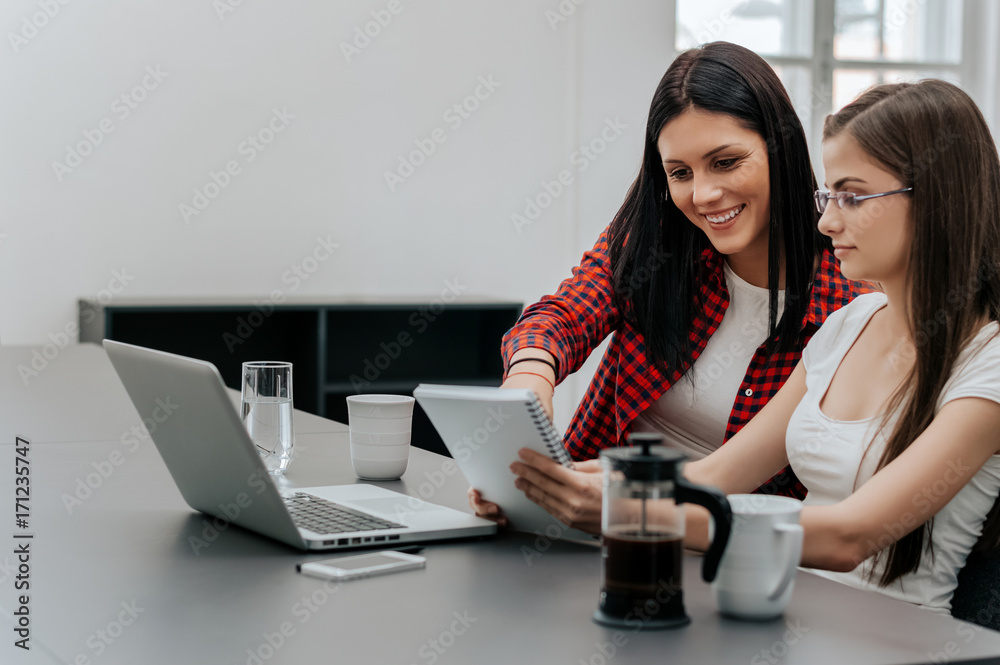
(393, 506)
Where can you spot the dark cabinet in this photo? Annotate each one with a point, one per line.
(338, 349)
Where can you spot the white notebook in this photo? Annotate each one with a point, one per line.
(483, 429)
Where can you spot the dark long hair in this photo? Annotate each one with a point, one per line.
(654, 248)
(933, 138)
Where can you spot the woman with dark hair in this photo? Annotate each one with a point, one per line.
(710, 280)
(892, 419)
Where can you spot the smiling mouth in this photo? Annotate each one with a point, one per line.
(727, 216)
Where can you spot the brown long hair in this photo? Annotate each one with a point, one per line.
(933, 137)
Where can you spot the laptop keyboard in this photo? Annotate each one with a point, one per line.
(325, 517)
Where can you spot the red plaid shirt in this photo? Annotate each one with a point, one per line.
(582, 313)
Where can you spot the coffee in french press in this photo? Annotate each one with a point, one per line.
(642, 535)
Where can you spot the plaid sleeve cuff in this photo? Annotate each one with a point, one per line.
(518, 338)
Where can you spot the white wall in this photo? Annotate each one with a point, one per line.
(71, 233)
(981, 50)
(322, 175)
(564, 72)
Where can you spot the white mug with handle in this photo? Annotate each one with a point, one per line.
(757, 572)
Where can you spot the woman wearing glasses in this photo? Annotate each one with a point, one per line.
(891, 420)
(709, 281)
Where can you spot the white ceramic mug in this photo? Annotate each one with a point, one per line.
(380, 435)
(757, 572)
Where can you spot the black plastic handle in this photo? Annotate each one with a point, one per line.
(717, 504)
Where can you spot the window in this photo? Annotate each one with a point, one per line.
(879, 41)
(828, 51)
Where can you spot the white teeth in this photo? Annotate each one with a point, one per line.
(725, 218)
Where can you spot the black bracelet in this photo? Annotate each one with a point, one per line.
(539, 360)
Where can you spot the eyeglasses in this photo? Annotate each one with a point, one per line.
(848, 200)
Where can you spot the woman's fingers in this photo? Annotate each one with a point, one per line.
(572, 496)
(485, 509)
(552, 503)
(588, 466)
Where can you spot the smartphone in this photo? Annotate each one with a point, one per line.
(361, 565)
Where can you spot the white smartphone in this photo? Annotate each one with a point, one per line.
(361, 565)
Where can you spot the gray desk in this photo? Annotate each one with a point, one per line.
(76, 396)
(127, 545)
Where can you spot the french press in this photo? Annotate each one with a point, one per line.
(642, 534)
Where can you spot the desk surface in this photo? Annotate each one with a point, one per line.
(75, 396)
(122, 554)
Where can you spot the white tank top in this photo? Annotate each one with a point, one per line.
(827, 455)
(694, 413)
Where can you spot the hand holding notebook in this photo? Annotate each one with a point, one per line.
(483, 429)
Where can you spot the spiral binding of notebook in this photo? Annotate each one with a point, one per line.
(553, 442)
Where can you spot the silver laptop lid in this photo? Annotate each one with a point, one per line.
(207, 451)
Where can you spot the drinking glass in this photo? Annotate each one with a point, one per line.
(267, 411)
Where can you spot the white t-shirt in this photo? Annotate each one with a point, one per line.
(694, 413)
(826, 454)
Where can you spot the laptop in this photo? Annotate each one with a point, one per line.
(216, 468)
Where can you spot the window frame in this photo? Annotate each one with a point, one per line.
(980, 22)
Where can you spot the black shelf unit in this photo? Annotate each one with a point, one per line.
(338, 348)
